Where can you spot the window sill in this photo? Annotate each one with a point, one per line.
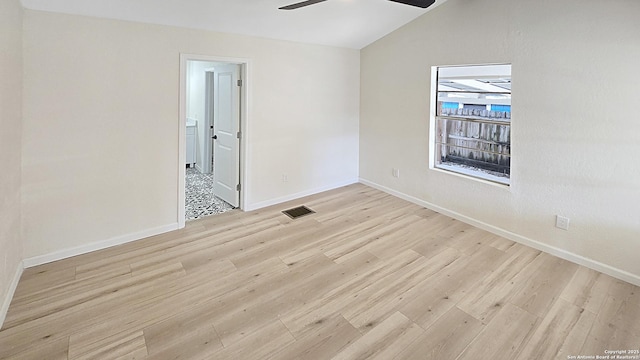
(477, 175)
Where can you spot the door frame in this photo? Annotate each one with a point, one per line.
(245, 101)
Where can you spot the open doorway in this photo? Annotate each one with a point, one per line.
(213, 110)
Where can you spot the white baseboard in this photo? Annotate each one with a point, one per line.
(9, 296)
(262, 204)
(561, 253)
(98, 245)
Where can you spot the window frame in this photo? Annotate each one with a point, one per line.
(476, 175)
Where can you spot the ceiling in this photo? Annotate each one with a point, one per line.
(344, 23)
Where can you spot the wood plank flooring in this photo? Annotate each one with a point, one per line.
(369, 276)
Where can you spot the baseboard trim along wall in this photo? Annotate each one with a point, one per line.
(78, 250)
(123, 239)
(98, 245)
(12, 290)
(563, 254)
(298, 195)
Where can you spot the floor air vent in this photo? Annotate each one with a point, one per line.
(297, 212)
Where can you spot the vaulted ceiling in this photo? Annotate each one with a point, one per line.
(343, 23)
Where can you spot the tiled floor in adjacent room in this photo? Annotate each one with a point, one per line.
(200, 200)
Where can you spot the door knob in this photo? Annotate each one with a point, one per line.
(215, 137)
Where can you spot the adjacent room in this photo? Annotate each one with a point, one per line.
(211, 94)
(327, 179)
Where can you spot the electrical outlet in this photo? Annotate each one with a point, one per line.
(562, 222)
(285, 178)
(395, 173)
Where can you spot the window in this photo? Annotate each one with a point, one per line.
(471, 130)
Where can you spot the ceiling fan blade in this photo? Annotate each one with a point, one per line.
(300, 4)
(419, 3)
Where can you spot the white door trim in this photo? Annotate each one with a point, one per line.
(245, 98)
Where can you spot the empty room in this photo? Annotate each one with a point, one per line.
(419, 179)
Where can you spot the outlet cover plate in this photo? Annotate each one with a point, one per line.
(562, 222)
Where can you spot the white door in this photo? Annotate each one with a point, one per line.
(226, 142)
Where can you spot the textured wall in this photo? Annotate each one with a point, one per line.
(10, 138)
(575, 128)
(100, 150)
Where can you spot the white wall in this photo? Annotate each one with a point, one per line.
(10, 148)
(575, 128)
(100, 150)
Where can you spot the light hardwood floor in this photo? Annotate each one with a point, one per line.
(369, 276)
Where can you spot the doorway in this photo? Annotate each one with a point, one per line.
(213, 116)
